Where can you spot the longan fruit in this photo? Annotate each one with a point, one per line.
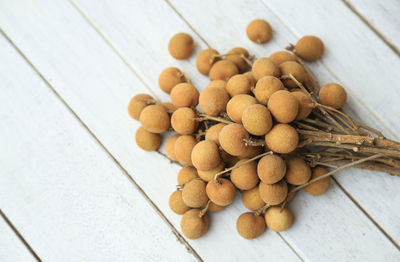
(213, 101)
(205, 155)
(186, 174)
(194, 193)
(238, 84)
(169, 106)
(183, 149)
(273, 194)
(146, 140)
(250, 225)
(183, 121)
(305, 104)
(228, 159)
(170, 146)
(205, 59)
(278, 220)
(265, 67)
(236, 58)
(333, 95)
(221, 84)
(223, 70)
(265, 87)
(257, 119)
(259, 31)
(280, 57)
(251, 199)
(271, 169)
(250, 76)
(184, 95)
(298, 171)
(212, 133)
(251, 151)
(212, 207)
(283, 106)
(231, 139)
(309, 48)
(296, 70)
(209, 175)
(176, 203)
(282, 138)
(181, 46)
(169, 78)
(309, 82)
(237, 105)
(137, 104)
(222, 193)
(320, 187)
(155, 119)
(245, 177)
(193, 225)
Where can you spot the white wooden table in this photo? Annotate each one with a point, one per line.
(75, 187)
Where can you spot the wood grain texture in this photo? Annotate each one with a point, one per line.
(61, 190)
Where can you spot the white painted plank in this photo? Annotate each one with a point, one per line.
(65, 49)
(382, 15)
(11, 247)
(60, 189)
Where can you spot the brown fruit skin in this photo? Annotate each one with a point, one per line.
(291, 195)
(282, 138)
(257, 120)
(209, 175)
(228, 159)
(169, 106)
(333, 95)
(283, 106)
(273, 194)
(182, 121)
(186, 174)
(221, 84)
(237, 59)
(213, 101)
(251, 151)
(294, 69)
(212, 207)
(238, 84)
(223, 70)
(176, 203)
(259, 31)
(309, 82)
(320, 187)
(184, 95)
(205, 155)
(181, 46)
(183, 149)
(271, 169)
(280, 57)
(250, 225)
(221, 194)
(146, 140)
(278, 220)
(265, 67)
(136, 105)
(237, 105)
(213, 132)
(252, 200)
(170, 146)
(265, 87)
(169, 78)
(298, 171)
(194, 193)
(245, 177)
(250, 76)
(205, 59)
(192, 225)
(309, 48)
(305, 105)
(155, 119)
(231, 139)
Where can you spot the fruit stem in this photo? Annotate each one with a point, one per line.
(262, 210)
(254, 142)
(204, 210)
(170, 159)
(207, 117)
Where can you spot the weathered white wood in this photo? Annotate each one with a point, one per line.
(60, 189)
(11, 247)
(367, 188)
(382, 15)
(97, 85)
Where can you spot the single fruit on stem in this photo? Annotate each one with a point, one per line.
(193, 224)
(250, 225)
(221, 191)
(278, 220)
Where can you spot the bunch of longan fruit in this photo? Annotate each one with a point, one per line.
(238, 133)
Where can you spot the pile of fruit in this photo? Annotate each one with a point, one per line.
(268, 132)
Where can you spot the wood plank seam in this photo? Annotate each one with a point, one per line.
(290, 246)
(179, 237)
(19, 235)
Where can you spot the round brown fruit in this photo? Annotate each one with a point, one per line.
(205, 155)
(235, 57)
(252, 199)
(251, 151)
(280, 57)
(271, 169)
(282, 138)
(169, 106)
(184, 95)
(186, 174)
(265, 87)
(221, 84)
(305, 105)
(194, 193)
(212, 133)
(169, 78)
(146, 140)
(138, 103)
(250, 76)
(170, 146)
(309, 48)
(194, 225)
(183, 121)
(231, 139)
(212, 207)
(320, 187)
(155, 119)
(245, 176)
(205, 59)
(183, 149)
(238, 84)
(273, 194)
(298, 171)
(265, 67)
(237, 105)
(283, 106)
(259, 31)
(223, 70)
(181, 46)
(176, 203)
(209, 175)
(250, 225)
(257, 119)
(294, 69)
(333, 95)
(213, 101)
(278, 220)
(222, 192)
